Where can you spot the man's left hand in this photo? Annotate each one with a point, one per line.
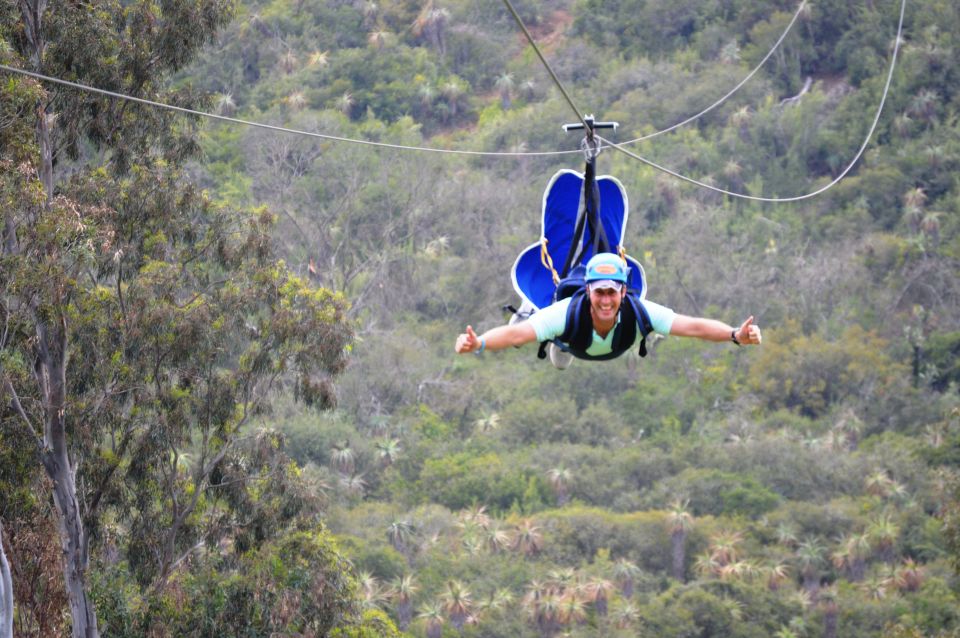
(749, 333)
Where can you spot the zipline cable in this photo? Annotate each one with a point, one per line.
(690, 180)
(836, 180)
(214, 116)
(730, 93)
(282, 129)
(556, 80)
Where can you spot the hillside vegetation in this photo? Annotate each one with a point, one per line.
(805, 488)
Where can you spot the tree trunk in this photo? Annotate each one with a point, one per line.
(6, 593)
(51, 375)
(678, 540)
(404, 615)
(830, 623)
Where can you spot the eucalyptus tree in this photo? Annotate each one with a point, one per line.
(140, 319)
(6, 593)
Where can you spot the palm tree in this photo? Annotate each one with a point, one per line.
(497, 538)
(776, 574)
(930, 224)
(476, 516)
(739, 570)
(528, 88)
(879, 484)
(680, 522)
(288, 62)
(723, 547)
(224, 104)
(490, 422)
(505, 86)
(370, 10)
(378, 38)
(625, 615)
(431, 22)
(924, 105)
(571, 610)
(374, 595)
(858, 546)
(433, 617)
(457, 604)
(810, 559)
(319, 58)
(427, 94)
(343, 458)
(296, 100)
(404, 589)
(828, 603)
(453, 90)
(388, 450)
(902, 125)
(528, 538)
(542, 605)
(399, 533)
(353, 484)
(560, 479)
(786, 535)
(876, 586)
(625, 572)
(741, 119)
(883, 533)
(850, 427)
(730, 53)
(598, 592)
(344, 103)
(909, 576)
(706, 565)
(499, 601)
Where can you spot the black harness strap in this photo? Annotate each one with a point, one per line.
(588, 216)
(578, 333)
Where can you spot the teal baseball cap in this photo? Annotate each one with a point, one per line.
(606, 266)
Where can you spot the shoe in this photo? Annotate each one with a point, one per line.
(561, 360)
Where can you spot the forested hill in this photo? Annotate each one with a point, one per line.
(807, 487)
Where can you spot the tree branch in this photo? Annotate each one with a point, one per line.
(18, 408)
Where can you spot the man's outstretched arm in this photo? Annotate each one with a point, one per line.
(712, 330)
(496, 338)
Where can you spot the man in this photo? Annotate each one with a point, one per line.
(606, 284)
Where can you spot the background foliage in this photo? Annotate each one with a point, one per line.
(805, 488)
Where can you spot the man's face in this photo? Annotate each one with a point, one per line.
(605, 299)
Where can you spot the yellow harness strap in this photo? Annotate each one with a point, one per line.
(547, 261)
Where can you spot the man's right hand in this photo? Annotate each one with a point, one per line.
(467, 342)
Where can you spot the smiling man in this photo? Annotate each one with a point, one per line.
(603, 321)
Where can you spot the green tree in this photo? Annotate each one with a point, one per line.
(680, 522)
(457, 603)
(626, 572)
(404, 589)
(6, 593)
(143, 319)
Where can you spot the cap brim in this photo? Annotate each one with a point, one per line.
(604, 284)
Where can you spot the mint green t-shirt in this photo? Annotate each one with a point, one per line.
(550, 322)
